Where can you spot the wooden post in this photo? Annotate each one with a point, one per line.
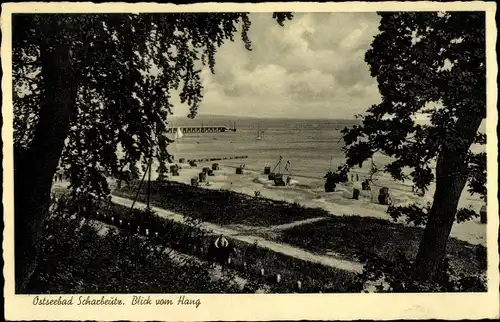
(149, 181)
(139, 189)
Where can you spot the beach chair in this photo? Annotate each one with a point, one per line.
(383, 196)
(278, 180)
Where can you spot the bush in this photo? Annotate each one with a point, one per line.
(381, 275)
(80, 256)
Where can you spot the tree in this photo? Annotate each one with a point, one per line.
(87, 85)
(432, 64)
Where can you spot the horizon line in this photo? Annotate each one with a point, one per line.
(265, 117)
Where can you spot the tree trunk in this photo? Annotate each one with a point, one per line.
(451, 177)
(34, 168)
(432, 248)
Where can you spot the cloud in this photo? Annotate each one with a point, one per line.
(312, 67)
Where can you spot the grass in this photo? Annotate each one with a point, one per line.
(353, 236)
(76, 259)
(191, 240)
(221, 207)
(314, 277)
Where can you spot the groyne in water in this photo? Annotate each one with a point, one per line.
(220, 159)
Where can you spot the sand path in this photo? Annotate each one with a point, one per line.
(293, 224)
(249, 239)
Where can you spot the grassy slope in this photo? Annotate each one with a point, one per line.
(221, 206)
(350, 236)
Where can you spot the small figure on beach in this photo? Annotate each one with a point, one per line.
(257, 193)
(220, 251)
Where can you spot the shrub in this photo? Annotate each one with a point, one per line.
(80, 256)
(381, 275)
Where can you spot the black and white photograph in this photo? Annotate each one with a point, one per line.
(201, 152)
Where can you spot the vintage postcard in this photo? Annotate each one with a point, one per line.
(250, 162)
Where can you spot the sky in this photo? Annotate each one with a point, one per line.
(313, 67)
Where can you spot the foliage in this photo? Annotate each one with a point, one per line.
(426, 64)
(128, 67)
(81, 257)
(412, 213)
(396, 276)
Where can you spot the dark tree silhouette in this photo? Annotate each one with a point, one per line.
(86, 85)
(431, 63)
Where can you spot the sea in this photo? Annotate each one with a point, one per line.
(312, 147)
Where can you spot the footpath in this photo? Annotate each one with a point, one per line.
(285, 249)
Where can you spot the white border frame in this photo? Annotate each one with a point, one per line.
(262, 307)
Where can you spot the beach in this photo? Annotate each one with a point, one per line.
(312, 148)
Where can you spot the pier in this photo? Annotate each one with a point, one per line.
(201, 129)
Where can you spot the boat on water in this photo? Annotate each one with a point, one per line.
(178, 134)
